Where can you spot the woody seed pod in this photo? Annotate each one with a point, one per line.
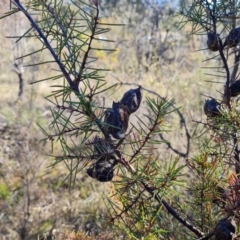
(117, 119)
(102, 146)
(235, 88)
(225, 229)
(212, 108)
(102, 170)
(132, 99)
(233, 38)
(213, 41)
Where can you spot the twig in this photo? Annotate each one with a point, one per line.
(78, 79)
(146, 139)
(71, 83)
(235, 138)
(74, 85)
(171, 210)
(151, 189)
(184, 155)
(63, 28)
(182, 119)
(228, 81)
(19, 73)
(220, 47)
(207, 236)
(236, 153)
(236, 66)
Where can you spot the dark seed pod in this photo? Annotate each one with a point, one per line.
(220, 197)
(102, 170)
(235, 88)
(213, 41)
(117, 120)
(102, 146)
(233, 38)
(212, 108)
(225, 229)
(132, 99)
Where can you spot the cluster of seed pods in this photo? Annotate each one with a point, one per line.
(212, 107)
(117, 117)
(116, 123)
(214, 42)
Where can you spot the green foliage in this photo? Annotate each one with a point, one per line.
(151, 196)
(202, 15)
(5, 192)
(216, 167)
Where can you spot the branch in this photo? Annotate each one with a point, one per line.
(89, 45)
(220, 47)
(158, 198)
(235, 138)
(18, 71)
(236, 154)
(207, 236)
(146, 138)
(184, 155)
(71, 83)
(152, 190)
(63, 28)
(236, 65)
(182, 119)
(171, 210)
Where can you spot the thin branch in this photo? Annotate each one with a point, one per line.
(146, 139)
(19, 73)
(71, 83)
(235, 138)
(182, 119)
(63, 28)
(129, 206)
(236, 154)
(207, 236)
(236, 65)
(184, 155)
(171, 210)
(220, 47)
(158, 198)
(78, 79)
